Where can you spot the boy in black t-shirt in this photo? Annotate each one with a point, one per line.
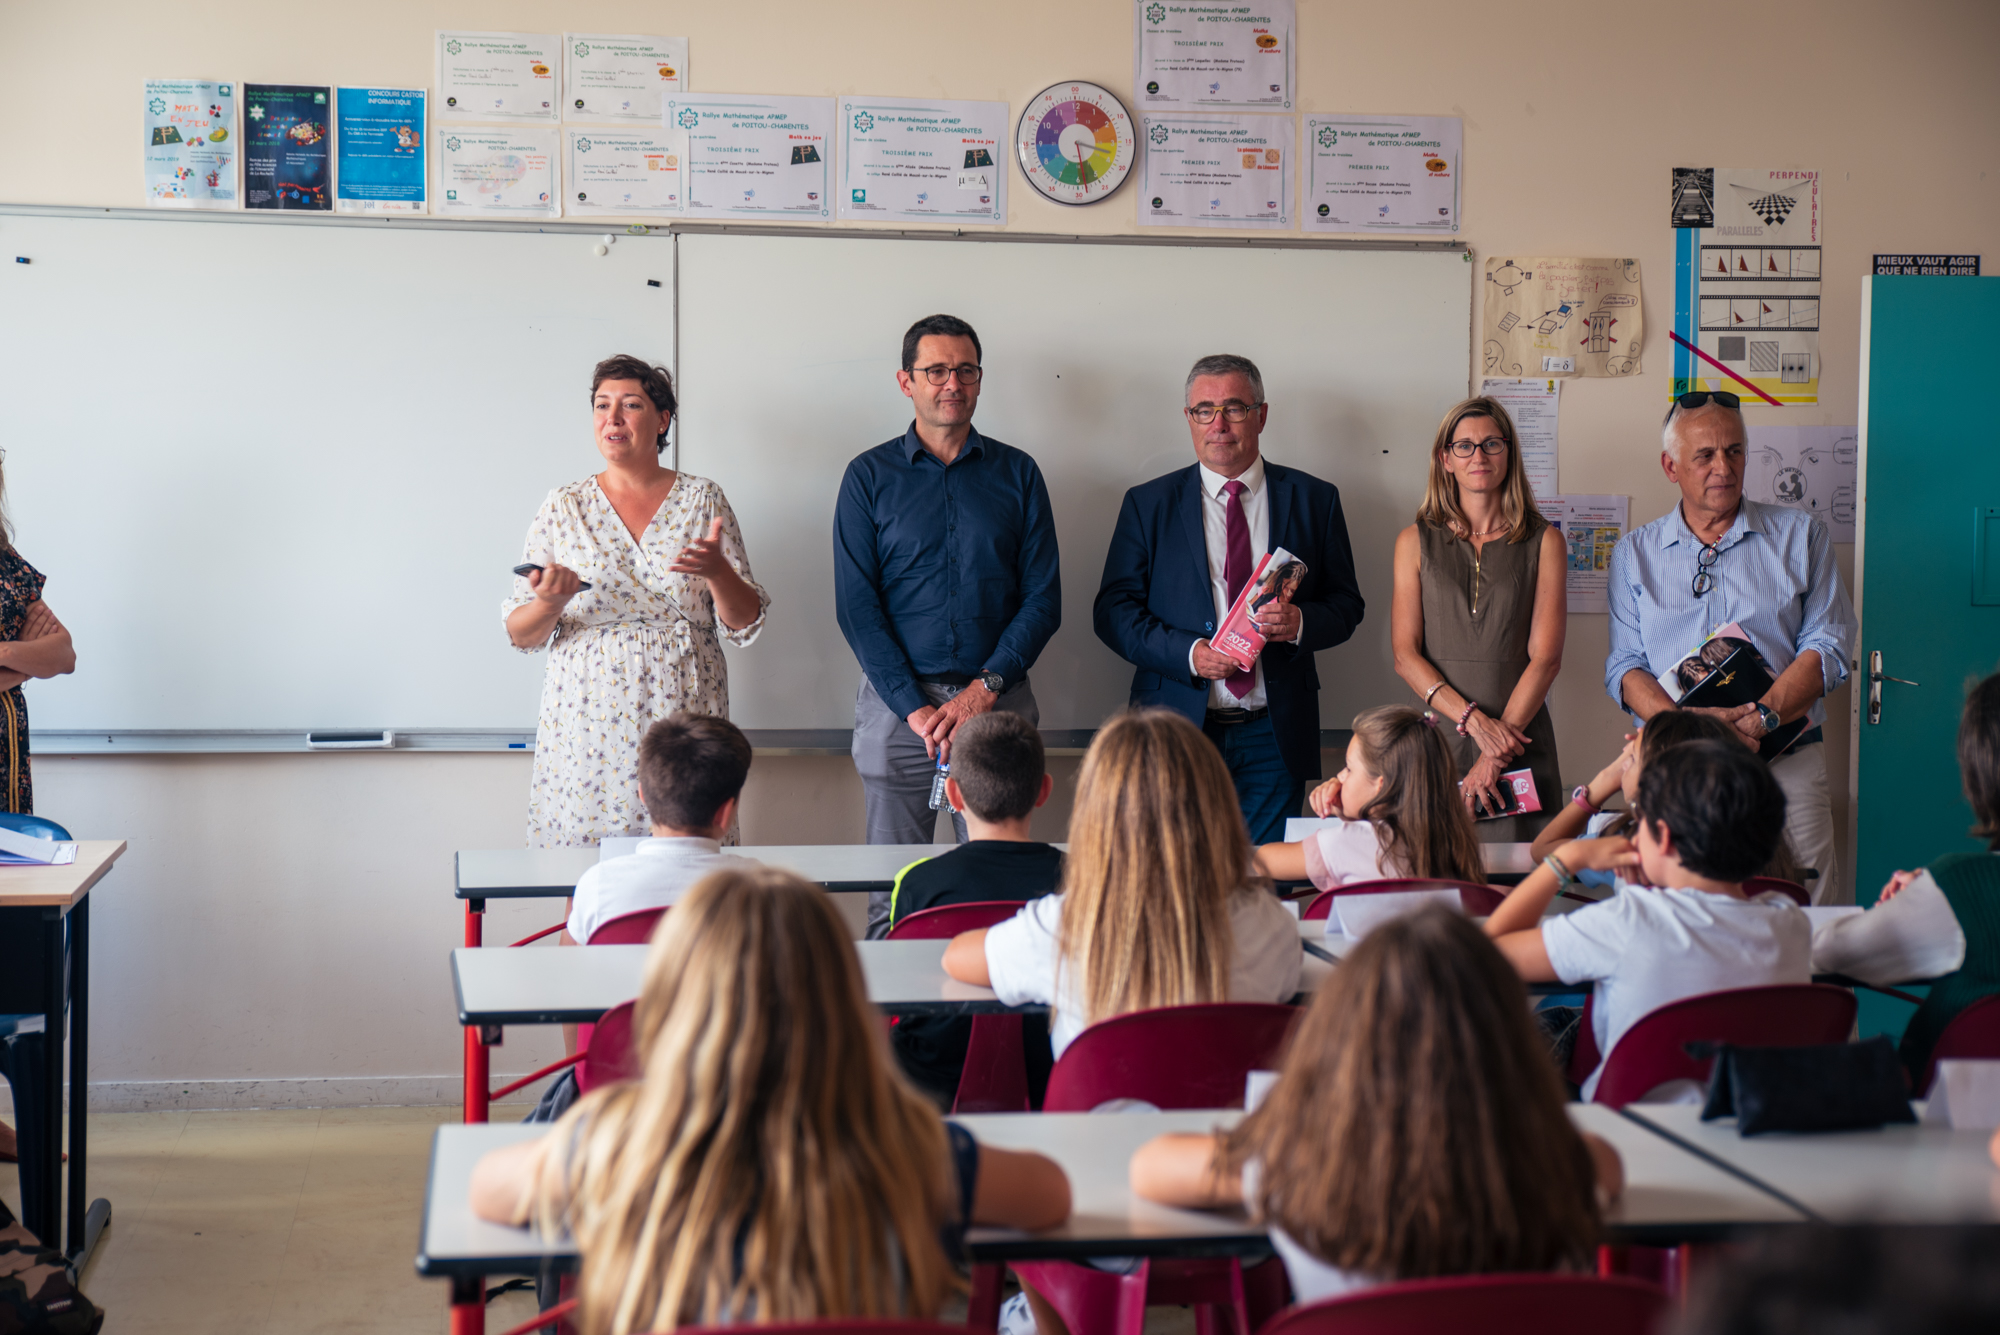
(998, 777)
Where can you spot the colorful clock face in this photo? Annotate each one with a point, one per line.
(1075, 143)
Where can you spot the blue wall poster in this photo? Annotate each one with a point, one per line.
(379, 153)
(287, 158)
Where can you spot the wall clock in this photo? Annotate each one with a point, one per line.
(1075, 142)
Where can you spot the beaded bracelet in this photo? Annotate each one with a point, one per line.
(1470, 705)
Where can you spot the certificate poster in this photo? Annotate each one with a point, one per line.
(756, 157)
(1533, 405)
(1216, 171)
(493, 76)
(1591, 527)
(379, 150)
(1190, 55)
(623, 171)
(916, 160)
(287, 147)
(616, 77)
(190, 144)
(498, 171)
(1382, 173)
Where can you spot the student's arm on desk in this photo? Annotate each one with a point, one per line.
(1516, 925)
(1180, 1169)
(1607, 1167)
(965, 958)
(503, 1181)
(1019, 1189)
(1283, 862)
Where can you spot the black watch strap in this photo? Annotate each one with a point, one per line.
(992, 681)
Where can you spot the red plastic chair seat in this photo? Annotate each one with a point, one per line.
(996, 1060)
(1650, 1053)
(1489, 1304)
(1478, 900)
(832, 1326)
(1974, 1032)
(1757, 885)
(608, 1056)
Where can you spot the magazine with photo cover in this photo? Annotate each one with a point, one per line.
(1724, 671)
(1276, 578)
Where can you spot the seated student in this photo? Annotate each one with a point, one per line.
(1160, 902)
(770, 1165)
(998, 778)
(1585, 817)
(1942, 922)
(1396, 811)
(1416, 1128)
(691, 773)
(1709, 815)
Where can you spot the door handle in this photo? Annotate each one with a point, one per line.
(1875, 679)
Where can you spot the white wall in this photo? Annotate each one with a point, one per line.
(287, 917)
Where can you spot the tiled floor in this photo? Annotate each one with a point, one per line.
(265, 1222)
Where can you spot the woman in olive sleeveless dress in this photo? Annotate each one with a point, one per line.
(1480, 611)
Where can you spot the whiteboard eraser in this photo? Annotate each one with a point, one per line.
(350, 741)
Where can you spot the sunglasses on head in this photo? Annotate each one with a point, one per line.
(1701, 398)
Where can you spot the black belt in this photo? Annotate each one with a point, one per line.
(1231, 718)
(947, 678)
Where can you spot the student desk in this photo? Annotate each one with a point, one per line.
(1671, 1197)
(1898, 1174)
(39, 979)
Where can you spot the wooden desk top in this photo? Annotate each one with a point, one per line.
(24, 887)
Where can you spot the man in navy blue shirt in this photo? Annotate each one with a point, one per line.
(946, 581)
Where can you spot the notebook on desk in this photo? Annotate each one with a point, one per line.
(26, 850)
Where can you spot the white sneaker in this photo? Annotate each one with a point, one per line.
(1016, 1317)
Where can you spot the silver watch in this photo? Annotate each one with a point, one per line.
(1769, 717)
(992, 681)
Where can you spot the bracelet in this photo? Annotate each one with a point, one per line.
(1433, 691)
(1470, 705)
(1564, 879)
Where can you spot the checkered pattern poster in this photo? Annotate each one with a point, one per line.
(1746, 283)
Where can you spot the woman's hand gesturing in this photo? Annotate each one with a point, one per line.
(704, 556)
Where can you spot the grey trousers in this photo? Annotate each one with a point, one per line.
(896, 774)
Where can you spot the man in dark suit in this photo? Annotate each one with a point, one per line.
(1185, 545)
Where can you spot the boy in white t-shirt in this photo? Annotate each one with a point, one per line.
(1709, 816)
(691, 773)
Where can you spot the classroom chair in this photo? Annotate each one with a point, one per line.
(1651, 1053)
(1974, 1032)
(1172, 1057)
(1757, 885)
(1511, 1304)
(1478, 900)
(996, 1060)
(41, 827)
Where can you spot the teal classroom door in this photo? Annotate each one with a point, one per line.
(1928, 563)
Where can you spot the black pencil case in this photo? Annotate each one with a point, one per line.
(1824, 1087)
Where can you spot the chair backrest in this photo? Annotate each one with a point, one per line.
(833, 1326)
(607, 1052)
(1973, 1032)
(628, 929)
(1479, 900)
(41, 827)
(1171, 1057)
(948, 920)
(1757, 885)
(1650, 1053)
(1490, 1304)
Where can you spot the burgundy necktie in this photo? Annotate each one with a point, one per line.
(1236, 568)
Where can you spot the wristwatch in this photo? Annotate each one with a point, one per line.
(992, 681)
(1581, 796)
(1769, 717)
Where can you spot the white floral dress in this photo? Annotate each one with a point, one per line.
(638, 645)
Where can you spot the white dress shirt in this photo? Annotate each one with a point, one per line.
(1256, 501)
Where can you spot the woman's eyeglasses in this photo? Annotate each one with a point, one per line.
(1463, 448)
(1703, 580)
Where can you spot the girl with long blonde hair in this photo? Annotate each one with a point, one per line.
(770, 1164)
(1160, 902)
(1416, 1128)
(1394, 811)
(1479, 611)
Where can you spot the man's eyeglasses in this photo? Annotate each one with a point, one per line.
(1204, 413)
(1464, 448)
(938, 375)
(1703, 580)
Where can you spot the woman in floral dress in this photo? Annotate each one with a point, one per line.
(669, 580)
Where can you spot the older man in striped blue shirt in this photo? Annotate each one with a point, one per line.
(1717, 558)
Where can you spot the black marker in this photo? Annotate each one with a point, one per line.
(526, 566)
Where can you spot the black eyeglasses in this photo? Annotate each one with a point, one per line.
(1464, 448)
(1703, 581)
(1701, 398)
(938, 375)
(1204, 413)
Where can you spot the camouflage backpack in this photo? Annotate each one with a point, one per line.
(38, 1295)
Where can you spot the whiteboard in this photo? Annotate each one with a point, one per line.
(276, 473)
(789, 346)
